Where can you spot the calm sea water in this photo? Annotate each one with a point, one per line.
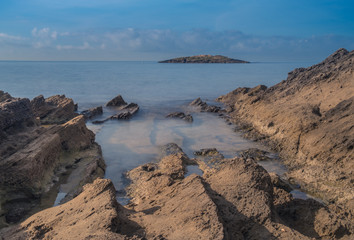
(158, 89)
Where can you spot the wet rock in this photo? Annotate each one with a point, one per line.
(92, 112)
(118, 101)
(206, 151)
(181, 115)
(203, 106)
(125, 112)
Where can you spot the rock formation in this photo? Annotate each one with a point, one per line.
(125, 111)
(33, 157)
(308, 118)
(92, 112)
(203, 106)
(204, 59)
(236, 200)
(181, 115)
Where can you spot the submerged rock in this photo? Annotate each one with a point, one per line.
(181, 115)
(125, 112)
(204, 107)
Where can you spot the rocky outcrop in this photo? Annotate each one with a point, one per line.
(124, 111)
(118, 101)
(33, 157)
(203, 106)
(204, 59)
(181, 115)
(53, 110)
(94, 214)
(92, 112)
(236, 200)
(309, 119)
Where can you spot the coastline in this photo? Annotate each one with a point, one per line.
(233, 197)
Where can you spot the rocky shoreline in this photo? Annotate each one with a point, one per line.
(308, 118)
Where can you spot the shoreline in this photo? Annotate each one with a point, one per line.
(232, 197)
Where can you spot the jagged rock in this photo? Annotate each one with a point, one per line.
(255, 153)
(125, 112)
(204, 107)
(30, 154)
(92, 112)
(94, 214)
(15, 113)
(4, 96)
(181, 115)
(53, 110)
(309, 119)
(118, 101)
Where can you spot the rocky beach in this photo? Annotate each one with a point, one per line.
(308, 119)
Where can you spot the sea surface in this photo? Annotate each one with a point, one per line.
(158, 89)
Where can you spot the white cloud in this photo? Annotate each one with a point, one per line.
(4, 36)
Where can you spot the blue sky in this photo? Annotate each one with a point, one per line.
(273, 30)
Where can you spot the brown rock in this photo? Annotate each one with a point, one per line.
(309, 119)
(118, 101)
(94, 214)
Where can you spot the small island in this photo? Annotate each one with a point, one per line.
(204, 59)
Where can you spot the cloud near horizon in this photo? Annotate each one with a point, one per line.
(154, 44)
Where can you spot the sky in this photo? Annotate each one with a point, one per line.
(150, 30)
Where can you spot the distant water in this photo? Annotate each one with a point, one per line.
(158, 89)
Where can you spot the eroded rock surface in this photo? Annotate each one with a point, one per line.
(236, 200)
(33, 156)
(308, 118)
(203, 106)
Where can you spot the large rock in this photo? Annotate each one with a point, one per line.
(53, 110)
(33, 158)
(94, 214)
(309, 119)
(118, 101)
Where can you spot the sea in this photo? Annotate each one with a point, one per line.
(158, 89)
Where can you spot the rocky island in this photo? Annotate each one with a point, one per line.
(204, 59)
(308, 118)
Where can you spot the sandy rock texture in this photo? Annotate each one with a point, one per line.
(309, 118)
(237, 199)
(35, 154)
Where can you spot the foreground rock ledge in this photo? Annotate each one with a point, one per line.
(41, 141)
(308, 118)
(236, 200)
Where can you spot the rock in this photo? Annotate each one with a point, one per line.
(4, 96)
(204, 107)
(92, 112)
(181, 115)
(118, 101)
(30, 154)
(255, 153)
(125, 112)
(94, 214)
(308, 118)
(206, 151)
(53, 110)
(203, 59)
(15, 114)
